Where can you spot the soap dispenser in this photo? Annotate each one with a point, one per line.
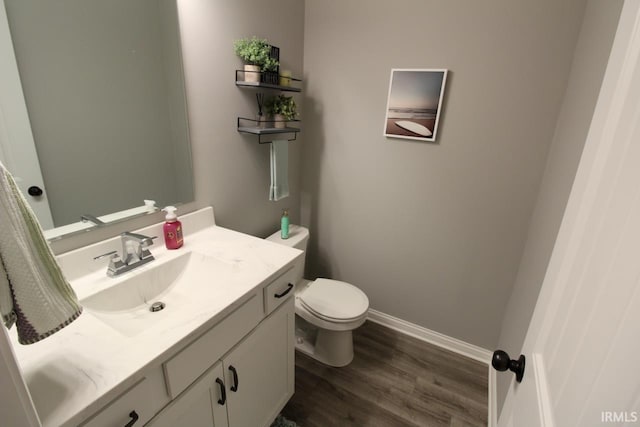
(172, 229)
(284, 225)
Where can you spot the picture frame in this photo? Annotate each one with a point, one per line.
(414, 103)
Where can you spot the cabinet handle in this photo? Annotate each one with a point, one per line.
(285, 292)
(234, 387)
(223, 392)
(134, 417)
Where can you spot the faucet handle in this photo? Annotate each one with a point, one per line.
(144, 248)
(115, 262)
(140, 238)
(148, 241)
(113, 254)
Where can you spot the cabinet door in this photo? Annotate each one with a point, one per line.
(203, 404)
(259, 371)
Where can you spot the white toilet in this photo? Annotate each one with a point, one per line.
(326, 310)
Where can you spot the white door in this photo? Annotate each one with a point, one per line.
(583, 342)
(17, 148)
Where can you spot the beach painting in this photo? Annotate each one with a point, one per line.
(414, 103)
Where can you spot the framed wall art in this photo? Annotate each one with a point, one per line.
(414, 103)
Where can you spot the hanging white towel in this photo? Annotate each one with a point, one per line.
(279, 170)
(33, 291)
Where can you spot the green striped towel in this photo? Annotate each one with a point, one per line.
(33, 291)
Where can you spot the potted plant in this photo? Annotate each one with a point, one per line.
(257, 55)
(283, 108)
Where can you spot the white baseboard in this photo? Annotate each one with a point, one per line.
(452, 344)
(436, 338)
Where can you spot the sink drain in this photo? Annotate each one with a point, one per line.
(157, 306)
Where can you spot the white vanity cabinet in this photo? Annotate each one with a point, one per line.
(229, 307)
(248, 386)
(238, 373)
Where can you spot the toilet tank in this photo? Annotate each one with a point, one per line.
(298, 238)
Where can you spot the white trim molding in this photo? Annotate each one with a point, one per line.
(449, 343)
(436, 338)
(492, 401)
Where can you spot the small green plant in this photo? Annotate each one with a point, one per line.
(255, 51)
(284, 105)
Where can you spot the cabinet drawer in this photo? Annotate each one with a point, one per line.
(183, 369)
(278, 291)
(146, 398)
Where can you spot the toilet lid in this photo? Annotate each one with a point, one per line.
(333, 299)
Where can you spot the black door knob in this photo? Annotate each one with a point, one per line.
(35, 191)
(501, 362)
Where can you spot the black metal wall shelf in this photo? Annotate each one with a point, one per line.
(254, 127)
(267, 130)
(294, 87)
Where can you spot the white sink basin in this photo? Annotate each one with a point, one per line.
(179, 284)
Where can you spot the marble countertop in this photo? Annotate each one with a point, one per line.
(81, 368)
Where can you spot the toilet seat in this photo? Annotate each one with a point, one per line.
(334, 301)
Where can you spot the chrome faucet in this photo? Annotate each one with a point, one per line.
(135, 252)
(135, 248)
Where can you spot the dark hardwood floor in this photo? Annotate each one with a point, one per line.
(394, 380)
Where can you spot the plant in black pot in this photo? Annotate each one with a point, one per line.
(256, 53)
(282, 108)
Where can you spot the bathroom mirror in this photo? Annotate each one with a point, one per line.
(104, 90)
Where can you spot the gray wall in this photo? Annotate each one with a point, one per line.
(589, 63)
(433, 233)
(232, 170)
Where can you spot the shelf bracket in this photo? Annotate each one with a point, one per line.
(260, 141)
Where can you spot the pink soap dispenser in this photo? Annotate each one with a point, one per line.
(172, 229)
